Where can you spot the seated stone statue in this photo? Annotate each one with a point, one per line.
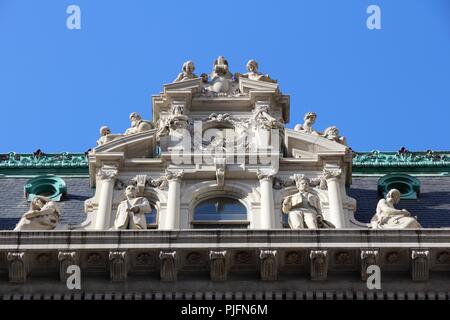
(131, 212)
(303, 208)
(253, 74)
(220, 69)
(332, 133)
(104, 133)
(137, 124)
(387, 217)
(43, 215)
(308, 120)
(187, 72)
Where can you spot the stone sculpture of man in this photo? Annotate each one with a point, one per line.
(253, 74)
(388, 217)
(187, 72)
(302, 207)
(43, 215)
(308, 120)
(332, 133)
(137, 124)
(131, 212)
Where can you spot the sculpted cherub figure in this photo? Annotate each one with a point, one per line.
(187, 72)
(42, 215)
(388, 217)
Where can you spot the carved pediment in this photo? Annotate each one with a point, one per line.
(305, 145)
(139, 145)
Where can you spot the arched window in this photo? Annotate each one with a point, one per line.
(408, 186)
(152, 217)
(220, 213)
(50, 186)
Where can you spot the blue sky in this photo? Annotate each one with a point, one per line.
(383, 88)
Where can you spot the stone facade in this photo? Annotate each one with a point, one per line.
(217, 156)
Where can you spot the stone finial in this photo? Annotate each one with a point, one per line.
(319, 265)
(420, 265)
(118, 266)
(17, 268)
(66, 259)
(268, 265)
(368, 257)
(168, 270)
(218, 265)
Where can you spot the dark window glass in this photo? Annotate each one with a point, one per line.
(150, 217)
(219, 209)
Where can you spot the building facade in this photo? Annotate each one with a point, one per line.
(216, 199)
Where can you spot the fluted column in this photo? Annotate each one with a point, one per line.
(337, 214)
(267, 216)
(173, 200)
(107, 175)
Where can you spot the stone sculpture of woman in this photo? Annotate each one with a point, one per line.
(388, 217)
(254, 74)
(43, 215)
(308, 120)
(187, 72)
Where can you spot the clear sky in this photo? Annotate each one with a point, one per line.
(383, 88)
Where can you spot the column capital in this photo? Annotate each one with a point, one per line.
(107, 172)
(265, 174)
(175, 175)
(332, 173)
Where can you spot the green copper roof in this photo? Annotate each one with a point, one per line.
(364, 162)
(402, 161)
(39, 163)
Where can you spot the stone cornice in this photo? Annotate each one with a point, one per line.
(221, 239)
